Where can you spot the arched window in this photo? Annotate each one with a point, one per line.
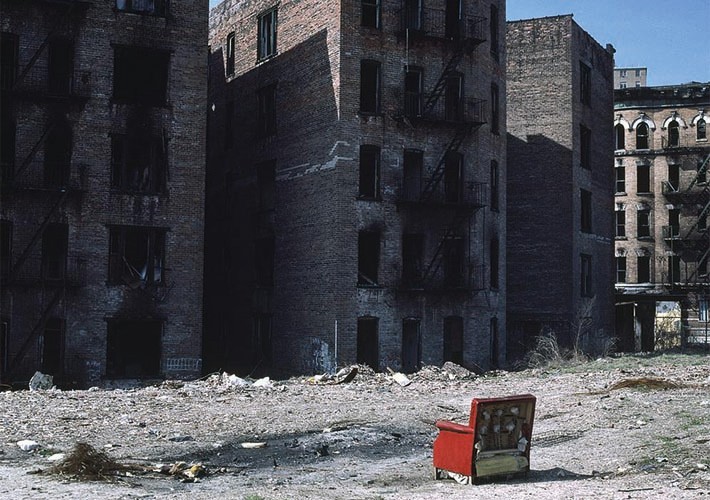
(620, 132)
(701, 131)
(642, 136)
(673, 134)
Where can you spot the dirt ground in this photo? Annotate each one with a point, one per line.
(371, 438)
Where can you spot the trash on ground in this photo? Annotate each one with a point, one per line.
(253, 445)
(28, 445)
(400, 378)
(41, 382)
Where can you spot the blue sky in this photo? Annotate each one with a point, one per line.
(669, 37)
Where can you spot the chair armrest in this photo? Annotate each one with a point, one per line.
(446, 425)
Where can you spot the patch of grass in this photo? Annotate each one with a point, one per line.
(85, 463)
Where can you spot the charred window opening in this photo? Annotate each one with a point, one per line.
(585, 83)
(148, 7)
(413, 14)
(52, 347)
(495, 109)
(7, 144)
(642, 136)
(643, 269)
(412, 260)
(57, 154)
(60, 68)
(264, 248)
(370, 13)
(140, 75)
(453, 98)
(585, 150)
(369, 172)
(136, 255)
(620, 179)
(453, 339)
(620, 223)
(674, 177)
(55, 240)
(231, 54)
(453, 177)
(266, 111)
(413, 92)
(643, 179)
(585, 211)
(5, 248)
(495, 263)
(266, 46)
(621, 269)
(266, 185)
(494, 32)
(229, 124)
(138, 162)
(586, 275)
(454, 262)
(368, 263)
(368, 352)
(133, 348)
(673, 134)
(412, 174)
(9, 44)
(369, 87)
(495, 185)
(411, 345)
(620, 136)
(643, 224)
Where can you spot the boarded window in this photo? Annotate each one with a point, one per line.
(7, 145)
(369, 172)
(133, 348)
(454, 23)
(453, 339)
(136, 255)
(368, 258)
(369, 87)
(266, 185)
(4, 335)
(266, 44)
(138, 162)
(368, 342)
(494, 342)
(140, 75)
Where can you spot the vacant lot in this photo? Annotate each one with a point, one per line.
(623, 427)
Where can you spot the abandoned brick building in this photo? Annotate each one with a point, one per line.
(661, 208)
(356, 184)
(103, 163)
(560, 239)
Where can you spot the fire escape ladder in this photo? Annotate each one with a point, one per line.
(701, 171)
(703, 257)
(460, 217)
(33, 152)
(438, 172)
(39, 327)
(35, 238)
(440, 86)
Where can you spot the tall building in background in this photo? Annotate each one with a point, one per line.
(103, 161)
(662, 204)
(630, 77)
(356, 185)
(560, 189)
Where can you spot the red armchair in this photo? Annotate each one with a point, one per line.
(496, 440)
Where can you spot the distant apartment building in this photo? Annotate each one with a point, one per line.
(662, 204)
(103, 159)
(560, 232)
(356, 185)
(630, 77)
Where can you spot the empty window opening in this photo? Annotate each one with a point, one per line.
(493, 31)
(52, 347)
(495, 185)
(140, 75)
(413, 14)
(151, 7)
(9, 44)
(673, 222)
(643, 269)
(266, 111)
(585, 83)
(264, 257)
(138, 161)
(60, 66)
(673, 269)
(453, 177)
(643, 224)
(454, 12)
(370, 13)
(495, 111)
(454, 262)
(369, 172)
(642, 136)
(621, 269)
(453, 98)
(411, 345)
(453, 339)
(620, 223)
(674, 177)
(412, 260)
(231, 54)
(266, 185)
(133, 348)
(643, 179)
(494, 343)
(585, 150)
(54, 251)
(5, 248)
(620, 136)
(495, 260)
(702, 176)
(673, 134)
(57, 154)
(586, 211)
(368, 250)
(586, 275)
(620, 179)
(368, 352)
(136, 255)
(701, 131)
(412, 174)
(266, 35)
(413, 92)
(369, 87)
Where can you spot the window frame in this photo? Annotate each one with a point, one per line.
(369, 256)
(586, 219)
(156, 251)
(620, 224)
(370, 165)
(643, 262)
(621, 269)
(643, 136)
(643, 179)
(371, 14)
(619, 137)
(620, 181)
(156, 168)
(266, 38)
(231, 53)
(370, 82)
(160, 8)
(585, 83)
(413, 98)
(643, 223)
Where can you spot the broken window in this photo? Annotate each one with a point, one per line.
(453, 177)
(642, 136)
(368, 252)
(585, 150)
(368, 352)
(643, 179)
(674, 177)
(494, 185)
(55, 240)
(9, 44)
(495, 260)
(370, 13)
(151, 7)
(136, 255)
(493, 30)
(454, 260)
(369, 87)
(52, 347)
(412, 260)
(140, 75)
(266, 111)
(58, 153)
(620, 179)
(585, 83)
(264, 256)
(620, 136)
(620, 223)
(369, 172)
(621, 269)
(673, 134)
(586, 211)
(643, 223)
(413, 15)
(453, 98)
(495, 111)
(266, 185)
(5, 248)
(133, 348)
(138, 162)
(413, 92)
(411, 345)
(60, 66)
(266, 44)
(586, 275)
(231, 54)
(643, 269)
(412, 174)
(453, 339)
(701, 131)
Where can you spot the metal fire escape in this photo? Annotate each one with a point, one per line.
(433, 109)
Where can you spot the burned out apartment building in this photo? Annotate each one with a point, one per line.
(662, 204)
(103, 164)
(560, 228)
(355, 191)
